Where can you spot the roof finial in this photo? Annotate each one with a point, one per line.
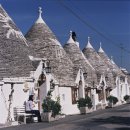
(70, 38)
(70, 33)
(89, 44)
(89, 39)
(40, 20)
(111, 57)
(100, 44)
(40, 11)
(112, 60)
(100, 49)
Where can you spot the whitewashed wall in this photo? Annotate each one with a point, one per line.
(66, 101)
(114, 92)
(19, 97)
(95, 99)
(3, 104)
(120, 91)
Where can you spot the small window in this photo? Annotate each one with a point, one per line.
(74, 95)
(101, 95)
(87, 92)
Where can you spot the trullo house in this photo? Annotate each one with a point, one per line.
(37, 63)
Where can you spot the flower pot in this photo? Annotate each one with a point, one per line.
(110, 105)
(84, 110)
(128, 101)
(46, 116)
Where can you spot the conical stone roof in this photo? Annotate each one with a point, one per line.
(97, 62)
(14, 60)
(43, 41)
(94, 58)
(109, 62)
(79, 61)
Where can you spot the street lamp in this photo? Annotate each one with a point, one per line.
(106, 78)
(48, 68)
(93, 85)
(85, 75)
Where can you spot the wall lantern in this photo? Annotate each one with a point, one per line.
(93, 85)
(122, 79)
(85, 75)
(48, 68)
(106, 78)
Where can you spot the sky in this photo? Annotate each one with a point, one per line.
(105, 21)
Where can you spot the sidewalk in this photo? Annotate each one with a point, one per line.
(67, 119)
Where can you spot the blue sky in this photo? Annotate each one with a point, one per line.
(109, 17)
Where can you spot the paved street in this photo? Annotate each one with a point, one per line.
(117, 118)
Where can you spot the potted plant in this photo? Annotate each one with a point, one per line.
(84, 104)
(127, 98)
(51, 108)
(112, 100)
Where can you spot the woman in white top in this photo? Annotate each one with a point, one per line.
(30, 106)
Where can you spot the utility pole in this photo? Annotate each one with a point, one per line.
(121, 54)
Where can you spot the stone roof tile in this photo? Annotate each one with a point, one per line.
(80, 61)
(43, 41)
(14, 50)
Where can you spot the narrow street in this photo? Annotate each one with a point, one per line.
(117, 118)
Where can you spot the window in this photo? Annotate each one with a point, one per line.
(101, 95)
(122, 79)
(74, 95)
(107, 93)
(87, 92)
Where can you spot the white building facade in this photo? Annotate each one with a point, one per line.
(37, 63)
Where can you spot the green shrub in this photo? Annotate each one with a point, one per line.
(126, 97)
(49, 105)
(56, 108)
(112, 99)
(84, 102)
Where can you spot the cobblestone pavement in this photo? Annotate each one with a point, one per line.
(117, 118)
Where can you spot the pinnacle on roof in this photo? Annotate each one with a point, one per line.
(70, 38)
(44, 42)
(79, 60)
(112, 61)
(100, 49)
(89, 44)
(40, 20)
